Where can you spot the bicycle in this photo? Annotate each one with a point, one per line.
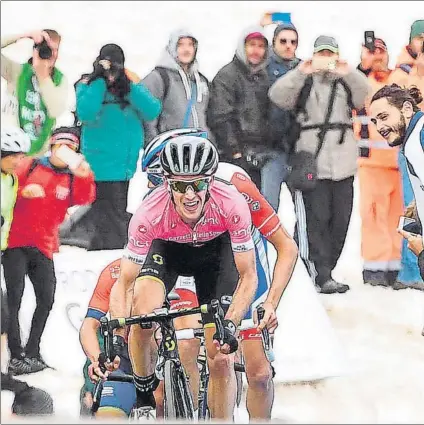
(178, 403)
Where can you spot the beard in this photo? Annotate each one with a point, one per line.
(400, 129)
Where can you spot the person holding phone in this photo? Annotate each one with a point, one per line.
(47, 187)
(380, 199)
(330, 89)
(37, 91)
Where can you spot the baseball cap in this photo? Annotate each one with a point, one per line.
(256, 34)
(324, 42)
(66, 136)
(417, 28)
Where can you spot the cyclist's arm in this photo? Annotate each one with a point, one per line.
(246, 288)
(88, 338)
(121, 294)
(286, 259)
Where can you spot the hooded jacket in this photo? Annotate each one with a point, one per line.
(336, 161)
(238, 105)
(179, 91)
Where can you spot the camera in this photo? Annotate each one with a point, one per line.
(44, 50)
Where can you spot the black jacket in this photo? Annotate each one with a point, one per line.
(238, 108)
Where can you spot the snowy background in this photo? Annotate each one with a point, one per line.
(351, 358)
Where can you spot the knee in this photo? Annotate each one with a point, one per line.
(259, 376)
(189, 349)
(221, 365)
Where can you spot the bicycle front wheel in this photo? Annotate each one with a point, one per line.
(178, 403)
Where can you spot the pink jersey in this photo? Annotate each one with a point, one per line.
(156, 218)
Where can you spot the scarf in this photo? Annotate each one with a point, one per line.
(33, 116)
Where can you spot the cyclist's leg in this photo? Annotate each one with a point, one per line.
(216, 278)
(149, 293)
(260, 391)
(188, 349)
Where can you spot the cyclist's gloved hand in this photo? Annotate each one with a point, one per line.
(230, 343)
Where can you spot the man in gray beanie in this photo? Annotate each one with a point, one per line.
(282, 59)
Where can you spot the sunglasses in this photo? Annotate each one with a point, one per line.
(285, 41)
(181, 186)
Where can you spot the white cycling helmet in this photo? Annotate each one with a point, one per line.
(189, 156)
(14, 140)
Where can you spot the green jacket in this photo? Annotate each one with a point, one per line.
(112, 137)
(9, 190)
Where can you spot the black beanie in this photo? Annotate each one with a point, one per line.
(113, 53)
(282, 27)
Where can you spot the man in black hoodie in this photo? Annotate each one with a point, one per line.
(238, 105)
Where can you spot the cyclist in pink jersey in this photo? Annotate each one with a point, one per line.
(192, 226)
(266, 227)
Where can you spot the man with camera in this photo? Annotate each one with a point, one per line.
(323, 91)
(36, 91)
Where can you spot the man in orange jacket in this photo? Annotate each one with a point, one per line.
(409, 72)
(379, 180)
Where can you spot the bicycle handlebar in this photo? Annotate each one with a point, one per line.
(266, 339)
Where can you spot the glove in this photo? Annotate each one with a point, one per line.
(229, 335)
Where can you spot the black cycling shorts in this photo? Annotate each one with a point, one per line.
(211, 264)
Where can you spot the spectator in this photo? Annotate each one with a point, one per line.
(15, 144)
(238, 105)
(409, 73)
(47, 188)
(381, 201)
(28, 400)
(282, 59)
(33, 104)
(111, 109)
(398, 119)
(325, 132)
(410, 63)
(179, 85)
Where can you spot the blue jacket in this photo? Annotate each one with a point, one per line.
(279, 120)
(112, 137)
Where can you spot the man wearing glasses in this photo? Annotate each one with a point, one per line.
(282, 60)
(195, 226)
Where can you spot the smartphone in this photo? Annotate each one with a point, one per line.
(69, 157)
(405, 222)
(281, 18)
(323, 63)
(369, 40)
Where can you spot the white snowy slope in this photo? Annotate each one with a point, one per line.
(345, 358)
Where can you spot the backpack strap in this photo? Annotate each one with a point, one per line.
(303, 96)
(163, 72)
(32, 167)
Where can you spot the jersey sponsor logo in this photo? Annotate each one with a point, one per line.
(240, 176)
(137, 243)
(149, 270)
(62, 192)
(208, 221)
(135, 258)
(186, 237)
(235, 219)
(142, 228)
(158, 259)
(241, 233)
(243, 247)
(254, 205)
(114, 272)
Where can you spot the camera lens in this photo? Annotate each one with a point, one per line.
(44, 50)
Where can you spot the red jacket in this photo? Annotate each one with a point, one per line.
(36, 221)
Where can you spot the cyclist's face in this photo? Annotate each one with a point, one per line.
(11, 162)
(189, 201)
